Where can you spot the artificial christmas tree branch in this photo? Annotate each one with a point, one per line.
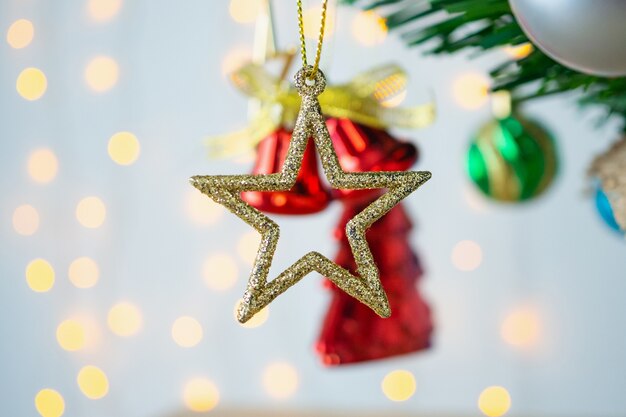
(449, 26)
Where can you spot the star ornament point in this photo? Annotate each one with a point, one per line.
(226, 190)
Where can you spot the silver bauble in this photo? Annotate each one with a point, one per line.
(586, 35)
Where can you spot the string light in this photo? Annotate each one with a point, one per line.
(71, 335)
(49, 403)
(42, 165)
(186, 331)
(220, 271)
(494, 401)
(245, 11)
(256, 321)
(91, 212)
(467, 255)
(40, 275)
(398, 385)
(201, 395)
(31, 84)
(521, 328)
(101, 73)
(124, 319)
(369, 29)
(20, 34)
(471, 91)
(202, 210)
(93, 382)
(25, 220)
(124, 148)
(84, 272)
(103, 10)
(280, 380)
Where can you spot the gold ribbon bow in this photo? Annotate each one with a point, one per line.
(361, 100)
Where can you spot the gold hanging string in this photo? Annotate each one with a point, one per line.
(320, 39)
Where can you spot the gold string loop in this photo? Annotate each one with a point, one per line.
(320, 39)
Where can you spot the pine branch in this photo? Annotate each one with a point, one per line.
(450, 26)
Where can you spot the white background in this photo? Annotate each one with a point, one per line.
(553, 256)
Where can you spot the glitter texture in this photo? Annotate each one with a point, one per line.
(226, 189)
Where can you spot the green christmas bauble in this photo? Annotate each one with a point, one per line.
(512, 159)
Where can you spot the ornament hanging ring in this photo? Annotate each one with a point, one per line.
(320, 39)
(309, 86)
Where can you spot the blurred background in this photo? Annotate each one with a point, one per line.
(119, 280)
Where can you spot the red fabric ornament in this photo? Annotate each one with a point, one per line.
(361, 148)
(309, 195)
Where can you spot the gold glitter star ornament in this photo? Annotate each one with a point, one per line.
(226, 189)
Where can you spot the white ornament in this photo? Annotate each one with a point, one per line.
(586, 35)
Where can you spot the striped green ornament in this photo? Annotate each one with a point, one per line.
(512, 159)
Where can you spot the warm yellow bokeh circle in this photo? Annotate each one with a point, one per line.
(93, 382)
(124, 319)
(40, 275)
(494, 401)
(25, 220)
(20, 34)
(201, 395)
(124, 148)
(187, 331)
(91, 212)
(84, 272)
(71, 335)
(398, 385)
(31, 84)
(49, 403)
(101, 73)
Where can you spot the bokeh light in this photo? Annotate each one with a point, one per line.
(471, 91)
(103, 10)
(257, 320)
(248, 246)
(312, 19)
(31, 84)
(124, 148)
(91, 212)
(369, 29)
(395, 100)
(93, 382)
(49, 403)
(25, 220)
(40, 275)
(220, 271)
(519, 51)
(71, 335)
(124, 319)
(101, 73)
(245, 11)
(494, 401)
(521, 328)
(280, 380)
(42, 165)
(398, 385)
(20, 34)
(201, 209)
(235, 59)
(467, 255)
(201, 395)
(186, 331)
(84, 272)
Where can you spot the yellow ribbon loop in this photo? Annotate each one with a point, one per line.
(358, 100)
